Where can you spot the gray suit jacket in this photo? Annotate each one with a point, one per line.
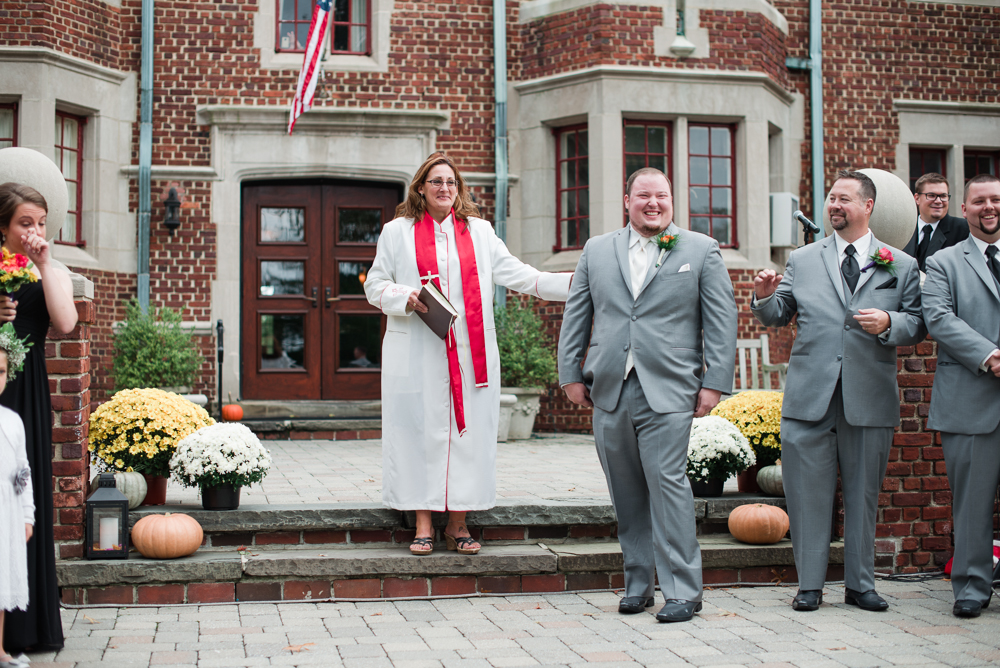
(830, 343)
(689, 295)
(962, 311)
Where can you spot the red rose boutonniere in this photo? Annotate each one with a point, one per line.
(666, 242)
(15, 271)
(882, 258)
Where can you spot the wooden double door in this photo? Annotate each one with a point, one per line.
(308, 332)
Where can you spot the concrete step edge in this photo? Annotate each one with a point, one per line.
(339, 516)
(718, 552)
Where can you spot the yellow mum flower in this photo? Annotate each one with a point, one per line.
(140, 425)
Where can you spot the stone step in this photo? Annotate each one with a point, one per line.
(389, 572)
(304, 526)
(306, 429)
(311, 410)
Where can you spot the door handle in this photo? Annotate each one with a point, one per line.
(330, 297)
(315, 297)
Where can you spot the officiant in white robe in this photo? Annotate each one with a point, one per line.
(431, 460)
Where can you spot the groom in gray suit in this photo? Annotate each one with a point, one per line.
(841, 399)
(656, 322)
(962, 310)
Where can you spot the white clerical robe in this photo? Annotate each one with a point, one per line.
(426, 465)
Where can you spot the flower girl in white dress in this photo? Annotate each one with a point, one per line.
(17, 506)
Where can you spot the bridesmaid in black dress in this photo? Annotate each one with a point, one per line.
(32, 309)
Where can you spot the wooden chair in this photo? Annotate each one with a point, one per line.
(753, 362)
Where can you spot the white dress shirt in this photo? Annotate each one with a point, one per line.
(861, 247)
(921, 224)
(642, 251)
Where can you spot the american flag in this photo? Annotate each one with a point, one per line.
(306, 88)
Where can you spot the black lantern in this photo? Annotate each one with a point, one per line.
(107, 521)
(173, 205)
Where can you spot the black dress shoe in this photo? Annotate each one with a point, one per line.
(631, 605)
(867, 600)
(677, 610)
(807, 600)
(968, 608)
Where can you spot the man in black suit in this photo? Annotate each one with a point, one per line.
(935, 228)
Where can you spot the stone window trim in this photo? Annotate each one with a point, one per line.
(694, 40)
(298, 27)
(8, 139)
(959, 129)
(66, 150)
(48, 81)
(265, 41)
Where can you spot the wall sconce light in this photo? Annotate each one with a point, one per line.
(173, 206)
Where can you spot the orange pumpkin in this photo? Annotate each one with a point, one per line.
(758, 524)
(232, 412)
(167, 536)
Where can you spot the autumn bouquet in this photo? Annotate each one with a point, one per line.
(717, 449)
(138, 430)
(15, 272)
(757, 414)
(227, 453)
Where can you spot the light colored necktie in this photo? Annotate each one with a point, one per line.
(638, 266)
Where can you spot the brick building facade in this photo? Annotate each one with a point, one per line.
(704, 88)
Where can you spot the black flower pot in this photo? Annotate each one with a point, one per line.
(710, 487)
(220, 497)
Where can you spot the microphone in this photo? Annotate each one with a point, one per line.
(807, 224)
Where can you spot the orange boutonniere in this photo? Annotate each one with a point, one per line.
(15, 271)
(666, 242)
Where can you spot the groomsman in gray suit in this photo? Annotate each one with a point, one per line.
(657, 327)
(962, 310)
(841, 400)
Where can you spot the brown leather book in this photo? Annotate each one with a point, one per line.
(440, 313)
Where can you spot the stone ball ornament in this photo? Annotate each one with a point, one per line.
(894, 218)
(31, 168)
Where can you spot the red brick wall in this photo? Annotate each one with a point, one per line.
(88, 29)
(877, 51)
(914, 524)
(623, 35)
(68, 365)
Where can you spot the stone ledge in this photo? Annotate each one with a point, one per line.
(334, 516)
(720, 551)
(282, 426)
(332, 564)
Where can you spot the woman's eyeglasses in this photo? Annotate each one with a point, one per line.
(437, 183)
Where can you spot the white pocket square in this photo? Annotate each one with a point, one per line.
(686, 267)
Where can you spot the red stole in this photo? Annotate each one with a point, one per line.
(427, 267)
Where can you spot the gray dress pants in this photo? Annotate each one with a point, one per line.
(644, 455)
(810, 454)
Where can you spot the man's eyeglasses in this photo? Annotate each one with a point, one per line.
(437, 183)
(930, 197)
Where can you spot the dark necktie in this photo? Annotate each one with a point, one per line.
(850, 269)
(993, 262)
(924, 243)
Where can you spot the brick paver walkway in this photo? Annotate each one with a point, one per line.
(547, 467)
(738, 627)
